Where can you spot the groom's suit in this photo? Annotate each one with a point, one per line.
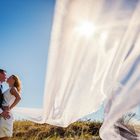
(1, 96)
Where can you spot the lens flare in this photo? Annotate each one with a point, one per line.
(86, 29)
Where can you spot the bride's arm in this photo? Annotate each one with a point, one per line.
(14, 92)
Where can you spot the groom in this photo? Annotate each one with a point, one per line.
(4, 114)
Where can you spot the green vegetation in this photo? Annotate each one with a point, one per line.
(26, 130)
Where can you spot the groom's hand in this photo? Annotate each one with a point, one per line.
(5, 115)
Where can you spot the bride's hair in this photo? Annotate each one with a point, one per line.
(17, 83)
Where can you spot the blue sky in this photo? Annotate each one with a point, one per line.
(25, 28)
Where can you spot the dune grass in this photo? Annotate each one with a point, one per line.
(82, 130)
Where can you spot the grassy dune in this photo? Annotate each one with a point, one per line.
(26, 130)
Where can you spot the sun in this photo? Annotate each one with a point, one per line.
(86, 29)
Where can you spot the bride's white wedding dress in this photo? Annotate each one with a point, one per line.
(6, 126)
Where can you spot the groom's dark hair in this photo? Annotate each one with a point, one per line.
(2, 71)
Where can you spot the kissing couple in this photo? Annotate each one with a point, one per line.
(8, 100)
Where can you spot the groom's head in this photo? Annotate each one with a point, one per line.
(2, 75)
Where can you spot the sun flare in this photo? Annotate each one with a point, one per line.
(86, 29)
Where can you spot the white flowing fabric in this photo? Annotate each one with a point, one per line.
(86, 69)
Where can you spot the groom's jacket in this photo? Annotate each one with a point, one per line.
(1, 97)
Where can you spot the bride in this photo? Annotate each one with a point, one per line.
(11, 98)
